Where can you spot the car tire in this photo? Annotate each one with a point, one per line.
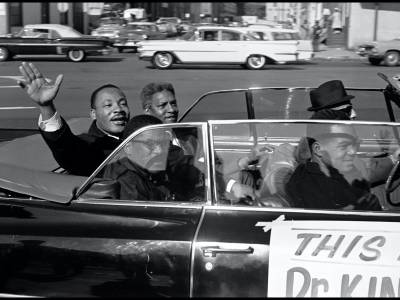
(4, 54)
(255, 62)
(163, 60)
(76, 55)
(120, 50)
(392, 58)
(374, 61)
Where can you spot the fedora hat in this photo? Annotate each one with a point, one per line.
(328, 95)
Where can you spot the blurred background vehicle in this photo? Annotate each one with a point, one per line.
(175, 21)
(109, 27)
(185, 26)
(377, 52)
(58, 40)
(134, 32)
(168, 28)
(135, 14)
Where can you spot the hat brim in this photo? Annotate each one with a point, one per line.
(343, 100)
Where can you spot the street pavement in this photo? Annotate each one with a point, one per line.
(334, 53)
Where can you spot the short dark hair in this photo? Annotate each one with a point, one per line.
(96, 92)
(138, 122)
(154, 87)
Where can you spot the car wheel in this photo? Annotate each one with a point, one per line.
(374, 61)
(162, 60)
(255, 62)
(76, 55)
(392, 58)
(4, 54)
(120, 50)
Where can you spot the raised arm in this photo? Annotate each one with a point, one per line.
(41, 90)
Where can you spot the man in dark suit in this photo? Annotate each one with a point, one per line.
(77, 154)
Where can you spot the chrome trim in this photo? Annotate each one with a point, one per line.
(193, 250)
(212, 150)
(141, 203)
(247, 121)
(303, 210)
(208, 162)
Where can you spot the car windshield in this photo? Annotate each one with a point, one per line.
(161, 163)
(308, 164)
(283, 103)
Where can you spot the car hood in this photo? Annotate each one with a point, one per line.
(41, 184)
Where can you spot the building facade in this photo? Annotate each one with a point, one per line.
(362, 21)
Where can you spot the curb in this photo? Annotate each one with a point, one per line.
(344, 57)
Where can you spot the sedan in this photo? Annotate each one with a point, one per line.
(134, 32)
(54, 39)
(71, 236)
(387, 52)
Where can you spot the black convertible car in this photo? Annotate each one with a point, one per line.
(55, 39)
(68, 236)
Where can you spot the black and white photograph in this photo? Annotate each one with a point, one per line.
(199, 149)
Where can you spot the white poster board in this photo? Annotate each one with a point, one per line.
(334, 259)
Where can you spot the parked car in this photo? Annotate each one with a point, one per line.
(185, 26)
(69, 236)
(109, 27)
(134, 32)
(266, 33)
(217, 45)
(387, 52)
(168, 28)
(52, 39)
(175, 21)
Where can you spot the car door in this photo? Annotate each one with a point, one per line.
(98, 244)
(203, 50)
(259, 251)
(37, 42)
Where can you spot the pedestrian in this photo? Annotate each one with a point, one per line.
(316, 34)
(77, 154)
(305, 30)
(336, 21)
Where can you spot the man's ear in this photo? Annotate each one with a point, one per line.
(93, 114)
(147, 109)
(317, 149)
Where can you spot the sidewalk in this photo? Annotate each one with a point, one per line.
(332, 53)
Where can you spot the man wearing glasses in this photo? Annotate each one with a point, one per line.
(151, 167)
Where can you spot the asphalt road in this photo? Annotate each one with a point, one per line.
(190, 82)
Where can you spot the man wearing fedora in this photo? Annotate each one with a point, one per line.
(331, 95)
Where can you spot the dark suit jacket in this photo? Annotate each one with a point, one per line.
(309, 187)
(79, 154)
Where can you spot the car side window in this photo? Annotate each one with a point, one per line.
(41, 33)
(312, 165)
(230, 36)
(54, 34)
(159, 164)
(209, 35)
